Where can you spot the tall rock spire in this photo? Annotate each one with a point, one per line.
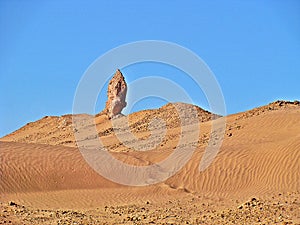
(116, 95)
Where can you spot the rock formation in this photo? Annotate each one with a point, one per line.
(116, 95)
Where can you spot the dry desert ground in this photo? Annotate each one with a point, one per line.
(254, 179)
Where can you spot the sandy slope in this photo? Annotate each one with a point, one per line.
(58, 130)
(259, 158)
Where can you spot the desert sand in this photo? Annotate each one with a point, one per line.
(253, 180)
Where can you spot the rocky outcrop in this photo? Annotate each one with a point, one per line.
(116, 95)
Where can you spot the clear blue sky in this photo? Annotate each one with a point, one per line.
(253, 48)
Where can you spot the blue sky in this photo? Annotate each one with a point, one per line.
(253, 48)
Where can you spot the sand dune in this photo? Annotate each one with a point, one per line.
(259, 158)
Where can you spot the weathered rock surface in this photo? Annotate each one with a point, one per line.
(116, 95)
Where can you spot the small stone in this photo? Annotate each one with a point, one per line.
(12, 203)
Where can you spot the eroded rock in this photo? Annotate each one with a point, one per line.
(116, 95)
